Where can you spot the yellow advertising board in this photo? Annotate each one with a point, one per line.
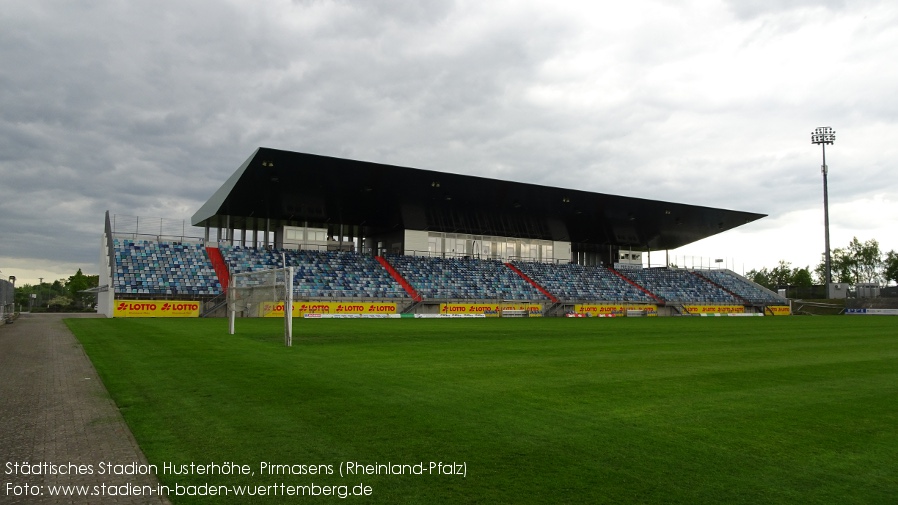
(779, 310)
(715, 309)
(156, 308)
(620, 309)
(491, 309)
(272, 309)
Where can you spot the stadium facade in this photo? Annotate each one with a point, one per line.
(368, 222)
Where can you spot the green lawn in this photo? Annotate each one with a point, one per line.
(655, 410)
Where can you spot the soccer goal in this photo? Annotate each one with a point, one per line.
(263, 293)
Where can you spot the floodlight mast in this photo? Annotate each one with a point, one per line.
(825, 135)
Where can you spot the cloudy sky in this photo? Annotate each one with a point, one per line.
(145, 108)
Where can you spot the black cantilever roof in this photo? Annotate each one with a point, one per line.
(292, 188)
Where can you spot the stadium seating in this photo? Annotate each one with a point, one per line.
(465, 279)
(320, 274)
(147, 267)
(571, 282)
(742, 287)
(162, 268)
(679, 286)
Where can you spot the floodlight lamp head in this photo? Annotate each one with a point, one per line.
(823, 135)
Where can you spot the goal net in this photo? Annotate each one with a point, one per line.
(263, 293)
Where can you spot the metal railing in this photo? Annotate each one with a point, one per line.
(153, 228)
(487, 257)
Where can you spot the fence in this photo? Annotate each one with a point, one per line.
(159, 228)
(7, 299)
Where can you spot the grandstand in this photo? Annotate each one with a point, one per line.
(357, 231)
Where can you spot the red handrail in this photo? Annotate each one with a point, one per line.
(221, 268)
(399, 278)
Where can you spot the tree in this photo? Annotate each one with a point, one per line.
(782, 275)
(890, 267)
(42, 292)
(761, 277)
(59, 303)
(23, 295)
(840, 265)
(867, 260)
(859, 262)
(62, 294)
(78, 283)
(801, 277)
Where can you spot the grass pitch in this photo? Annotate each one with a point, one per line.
(683, 410)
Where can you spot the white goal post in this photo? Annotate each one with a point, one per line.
(262, 293)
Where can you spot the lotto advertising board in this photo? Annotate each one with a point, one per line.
(276, 309)
(156, 308)
(714, 309)
(613, 310)
(779, 310)
(491, 309)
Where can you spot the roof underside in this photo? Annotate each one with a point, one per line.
(289, 188)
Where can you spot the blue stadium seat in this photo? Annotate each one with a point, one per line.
(320, 274)
(161, 268)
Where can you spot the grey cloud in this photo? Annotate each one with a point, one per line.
(748, 9)
(145, 109)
